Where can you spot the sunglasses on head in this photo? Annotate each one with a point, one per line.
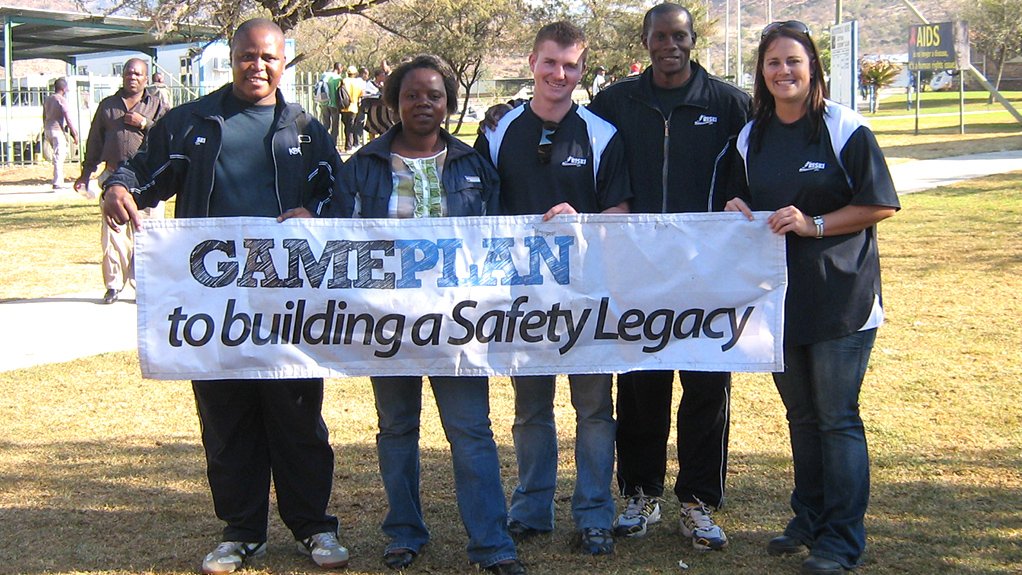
(546, 144)
(789, 25)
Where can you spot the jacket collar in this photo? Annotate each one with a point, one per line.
(213, 106)
(698, 94)
(380, 147)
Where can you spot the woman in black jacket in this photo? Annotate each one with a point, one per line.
(418, 170)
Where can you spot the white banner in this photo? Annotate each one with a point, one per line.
(253, 298)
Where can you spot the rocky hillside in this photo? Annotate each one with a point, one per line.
(883, 24)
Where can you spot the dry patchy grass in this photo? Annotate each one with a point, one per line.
(101, 471)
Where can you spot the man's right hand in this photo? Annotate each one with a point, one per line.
(119, 208)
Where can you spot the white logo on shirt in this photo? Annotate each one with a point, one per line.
(705, 120)
(200, 140)
(573, 161)
(473, 179)
(295, 151)
(812, 167)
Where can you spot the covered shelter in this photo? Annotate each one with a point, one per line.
(29, 34)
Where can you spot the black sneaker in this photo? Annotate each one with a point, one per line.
(511, 567)
(520, 532)
(596, 541)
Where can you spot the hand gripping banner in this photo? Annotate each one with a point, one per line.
(247, 297)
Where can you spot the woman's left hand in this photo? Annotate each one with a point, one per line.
(299, 212)
(791, 219)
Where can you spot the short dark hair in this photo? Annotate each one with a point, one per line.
(140, 61)
(563, 33)
(254, 24)
(392, 88)
(663, 10)
(60, 85)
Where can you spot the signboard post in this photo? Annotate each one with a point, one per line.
(844, 58)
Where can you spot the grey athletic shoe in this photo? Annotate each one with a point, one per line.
(230, 555)
(325, 550)
(697, 523)
(641, 511)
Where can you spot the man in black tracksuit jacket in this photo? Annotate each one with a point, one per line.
(675, 121)
(244, 151)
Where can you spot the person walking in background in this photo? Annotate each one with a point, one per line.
(378, 116)
(816, 166)
(698, 115)
(368, 90)
(418, 170)
(117, 132)
(329, 113)
(599, 80)
(56, 121)
(232, 153)
(158, 88)
(353, 85)
(574, 163)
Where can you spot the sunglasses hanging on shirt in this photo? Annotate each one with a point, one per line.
(546, 143)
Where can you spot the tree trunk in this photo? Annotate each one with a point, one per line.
(999, 62)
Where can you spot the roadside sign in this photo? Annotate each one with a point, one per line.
(939, 46)
(844, 58)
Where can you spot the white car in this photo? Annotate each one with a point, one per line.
(942, 81)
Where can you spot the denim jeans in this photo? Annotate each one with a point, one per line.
(820, 390)
(463, 403)
(535, 436)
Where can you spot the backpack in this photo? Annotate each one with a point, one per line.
(322, 91)
(343, 97)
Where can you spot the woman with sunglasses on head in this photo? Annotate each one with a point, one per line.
(418, 170)
(816, 166)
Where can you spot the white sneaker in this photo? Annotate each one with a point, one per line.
(325, 550)
(641, 511)
(230, 555)
(697, 523)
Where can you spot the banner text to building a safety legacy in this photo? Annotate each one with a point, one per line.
(252, 298)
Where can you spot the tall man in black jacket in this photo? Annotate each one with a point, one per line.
(244, 151)
(697, 115)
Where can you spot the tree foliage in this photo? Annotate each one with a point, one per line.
(167, 15)
(462, 32)
(995, 29)
(877, 74)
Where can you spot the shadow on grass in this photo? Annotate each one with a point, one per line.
(49, 216)
(117, 507)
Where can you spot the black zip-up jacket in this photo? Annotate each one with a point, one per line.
(470, 182)
(180, 153)
(694, 139)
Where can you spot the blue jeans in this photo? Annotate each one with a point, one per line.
(463, 403)
(535, 436)
(820, 390)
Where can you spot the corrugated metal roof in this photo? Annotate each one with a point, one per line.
(64, 35)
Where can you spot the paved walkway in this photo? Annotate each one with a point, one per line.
(66, 327)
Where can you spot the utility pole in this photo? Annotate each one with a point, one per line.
(727, 39)
(738, 42)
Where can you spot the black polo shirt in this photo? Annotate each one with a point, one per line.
(585, 166)
(832, 281)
